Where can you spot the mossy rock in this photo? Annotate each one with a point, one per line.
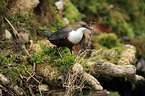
(109, 55)
(123, 55)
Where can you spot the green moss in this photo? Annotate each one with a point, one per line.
(92, 8)
(9, 67)
(49, 19)
(120, 25)
(125, 17)
(3, 5)
(139, 23)
(95, 58)
(98, 46)
(133, 10)
(71, 12)
(109, 40)
(50, 55)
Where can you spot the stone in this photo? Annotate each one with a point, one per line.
(43, 87)
(8, 35)
(4, 79)
(77, 68)
(59, 5)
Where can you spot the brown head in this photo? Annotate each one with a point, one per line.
(82, 24)
(77, 25)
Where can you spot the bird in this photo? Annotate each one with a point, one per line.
(65, 37)
(83, 44)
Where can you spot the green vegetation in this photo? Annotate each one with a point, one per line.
(3, 5)
(71, 12)
(50, 55)
(108, 40)
(124, 29)
(125, 17)
(47, 57)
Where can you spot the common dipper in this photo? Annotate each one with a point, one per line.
(65, 37)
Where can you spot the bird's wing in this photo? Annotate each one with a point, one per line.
(60, 34)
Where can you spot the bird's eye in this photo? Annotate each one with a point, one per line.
(83, 25)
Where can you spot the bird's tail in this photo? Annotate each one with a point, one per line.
(47, 33)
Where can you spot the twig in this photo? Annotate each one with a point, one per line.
(31, 92)
(12, 28)
(7, 89)
(26, 51)
(31, 74)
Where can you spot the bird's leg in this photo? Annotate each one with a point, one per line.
(59, 53)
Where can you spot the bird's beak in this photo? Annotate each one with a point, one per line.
(90, 28)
